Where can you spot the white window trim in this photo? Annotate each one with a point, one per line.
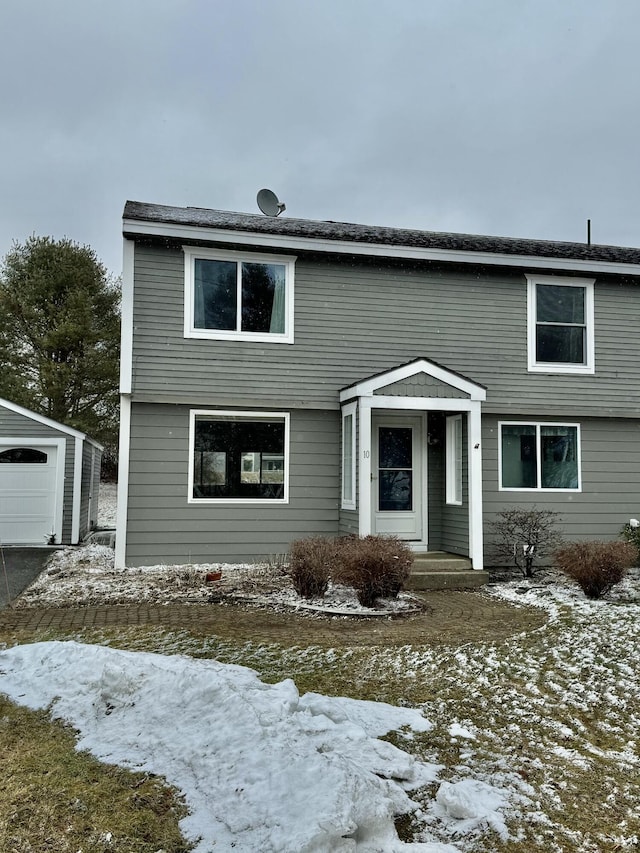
(453, 466)
(537, 425)
(349, 409)
(244, 416)
(554, 367)
(192, 253)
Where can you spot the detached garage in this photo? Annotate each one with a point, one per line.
(49, 479)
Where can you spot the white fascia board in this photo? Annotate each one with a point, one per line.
(126, 317)
(368, 386)
(294, 243)
(419, 404)
(42, 419)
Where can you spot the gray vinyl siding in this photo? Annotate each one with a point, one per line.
(455, 519)
(435, 481)
(420, 385)
(610, 457)
(348, 523)
(89, 489)
(95, 503)
(15, 425)
(163, 527)
(354, 319)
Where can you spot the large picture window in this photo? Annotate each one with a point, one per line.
(239, 456)
(238, 297)
(540, 456)
(561, 338)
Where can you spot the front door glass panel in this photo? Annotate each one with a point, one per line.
(395, 469)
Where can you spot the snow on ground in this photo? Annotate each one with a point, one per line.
(86, 576)
(261, 767)
(534, 727)
(107, 504)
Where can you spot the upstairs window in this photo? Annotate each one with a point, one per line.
(561, 338)
(238, 297)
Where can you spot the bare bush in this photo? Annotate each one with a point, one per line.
(524, 537)
(311, 563)
(631, 532)
(375, 566)
(596, 566)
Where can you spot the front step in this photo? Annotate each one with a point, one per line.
(439, 570)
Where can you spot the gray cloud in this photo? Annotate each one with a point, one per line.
(497, 117)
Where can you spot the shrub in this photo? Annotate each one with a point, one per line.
(310, 565)
(631, 532)
(525, 536)
(375, 566)
(596, 566)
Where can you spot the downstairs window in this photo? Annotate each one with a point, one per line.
(540, 457)
(238, 456)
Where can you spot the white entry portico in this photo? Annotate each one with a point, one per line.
(388, 419)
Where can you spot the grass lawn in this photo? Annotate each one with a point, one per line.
(550, 715)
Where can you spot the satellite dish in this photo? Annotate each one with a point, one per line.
(269, 204)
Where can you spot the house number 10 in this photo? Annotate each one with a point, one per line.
(365, 454)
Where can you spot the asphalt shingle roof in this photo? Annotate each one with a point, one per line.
(347, 232)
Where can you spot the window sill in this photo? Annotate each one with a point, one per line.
(236, 501)
(534, 491)
(249, 337)
(568, 369)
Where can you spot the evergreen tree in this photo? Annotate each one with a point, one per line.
(60, 335)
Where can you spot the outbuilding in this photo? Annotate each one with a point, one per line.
(49, 479)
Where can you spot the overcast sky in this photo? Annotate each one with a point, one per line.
(502, 117)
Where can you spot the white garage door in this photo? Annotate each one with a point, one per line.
(27, 494)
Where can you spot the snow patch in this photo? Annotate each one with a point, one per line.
(471, 803)
(261, 767)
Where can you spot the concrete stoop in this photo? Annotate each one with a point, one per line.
(439, 570)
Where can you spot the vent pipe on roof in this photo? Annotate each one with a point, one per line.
(588, 232)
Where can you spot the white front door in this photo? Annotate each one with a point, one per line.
(397, 477)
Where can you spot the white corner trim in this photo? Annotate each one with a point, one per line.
(474, 434)
(77, 492)
(123, 482)
(368, 386)
(295, 243)
(126, 317)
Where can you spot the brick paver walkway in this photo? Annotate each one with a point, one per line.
(450, 618)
